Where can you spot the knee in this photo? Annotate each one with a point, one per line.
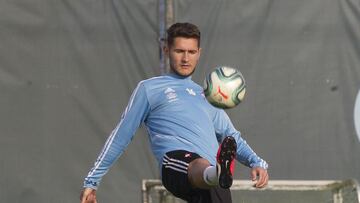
(195, 171)
(198, 165)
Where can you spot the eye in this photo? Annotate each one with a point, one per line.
(178, 51)
(193, 51)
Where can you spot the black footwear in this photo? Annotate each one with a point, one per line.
(225, 161)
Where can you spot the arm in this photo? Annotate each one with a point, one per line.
(245, 155)
(134, 114)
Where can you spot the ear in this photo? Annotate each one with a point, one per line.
(166, 50)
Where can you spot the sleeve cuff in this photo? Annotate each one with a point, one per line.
(261, 164)
(91, 184)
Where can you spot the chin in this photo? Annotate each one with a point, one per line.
(184, 73)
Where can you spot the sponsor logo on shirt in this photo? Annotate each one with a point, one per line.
(168, 90)
(170, 94)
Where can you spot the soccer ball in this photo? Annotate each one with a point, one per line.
(224, 87)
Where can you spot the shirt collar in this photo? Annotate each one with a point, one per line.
(174, 75)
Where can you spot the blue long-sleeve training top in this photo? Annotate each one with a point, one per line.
(178, 117)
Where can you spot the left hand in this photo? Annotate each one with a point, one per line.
(261, 177)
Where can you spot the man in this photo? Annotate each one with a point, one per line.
(184, 131)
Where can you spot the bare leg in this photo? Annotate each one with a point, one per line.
(195, 173)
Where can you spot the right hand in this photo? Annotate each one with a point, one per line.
(88, 195)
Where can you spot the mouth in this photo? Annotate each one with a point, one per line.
(185, 65)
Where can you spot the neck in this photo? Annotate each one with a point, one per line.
(176, 75)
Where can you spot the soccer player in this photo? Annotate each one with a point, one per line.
(184, 131)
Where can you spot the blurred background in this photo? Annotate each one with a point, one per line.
(68, 67)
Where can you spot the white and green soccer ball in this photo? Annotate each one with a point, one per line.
(224, 87)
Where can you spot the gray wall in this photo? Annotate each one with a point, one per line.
(301, 63)
(67, 69)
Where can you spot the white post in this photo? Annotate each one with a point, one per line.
(337, 196)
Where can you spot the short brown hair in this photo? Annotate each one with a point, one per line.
(186, 30)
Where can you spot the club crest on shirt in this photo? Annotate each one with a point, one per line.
(191, 91)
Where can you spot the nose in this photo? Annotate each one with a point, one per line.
(185, 57)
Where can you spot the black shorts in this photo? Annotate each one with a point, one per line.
(175, 179)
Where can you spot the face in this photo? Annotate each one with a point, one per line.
(184, 55)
